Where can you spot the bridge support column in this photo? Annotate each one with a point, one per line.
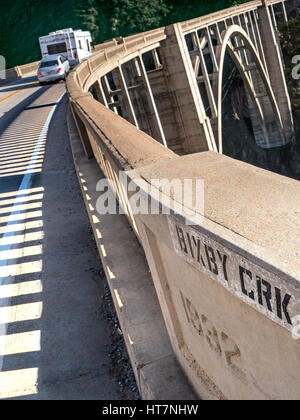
(126, 98)
(194, 128)
(100, 93)
(275, 68)
(151, 102)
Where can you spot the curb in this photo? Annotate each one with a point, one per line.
(157, 372)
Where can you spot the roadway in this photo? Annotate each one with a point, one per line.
(53, 341)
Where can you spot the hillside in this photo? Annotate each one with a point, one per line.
(23, 21)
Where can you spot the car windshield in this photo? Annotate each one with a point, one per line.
(50, 63)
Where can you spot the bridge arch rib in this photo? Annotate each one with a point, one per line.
(237, 43)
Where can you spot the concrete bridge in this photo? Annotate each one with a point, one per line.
(226, 272)
(181, 75)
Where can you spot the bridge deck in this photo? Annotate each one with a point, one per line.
(53, 345)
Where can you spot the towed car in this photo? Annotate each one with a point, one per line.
(53, 68)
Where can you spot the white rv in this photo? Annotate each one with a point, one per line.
(74, 45)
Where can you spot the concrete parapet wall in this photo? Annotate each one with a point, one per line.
(157, 372)
(18, 72)
(225, 283)
(230, 344)
(229, 282)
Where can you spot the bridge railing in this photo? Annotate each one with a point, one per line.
(226, 273)
(85, 73)
(222, 15)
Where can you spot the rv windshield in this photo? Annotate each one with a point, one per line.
(50, 63)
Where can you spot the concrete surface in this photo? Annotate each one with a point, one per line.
(232, 343)
(228, 287)
(53, 341)
(158, 374)
(238, 195)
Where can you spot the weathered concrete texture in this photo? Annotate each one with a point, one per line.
(228, 286)
(233, 248)
(194, 129)
(230, 343)
(132, 151)
(233, 201)
(157, 372)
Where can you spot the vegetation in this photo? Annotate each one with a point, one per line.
(290, 41)
(23, 21)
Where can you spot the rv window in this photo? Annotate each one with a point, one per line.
(88, 45)
(80, 46)
(57, 48)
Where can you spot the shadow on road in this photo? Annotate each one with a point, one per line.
(52, 304)
(8, 118)
(22, 83)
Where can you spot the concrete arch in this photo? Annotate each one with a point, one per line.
(226, 46)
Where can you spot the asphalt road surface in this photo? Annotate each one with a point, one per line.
(53, 340)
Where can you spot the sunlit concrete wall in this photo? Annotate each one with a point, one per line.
(227, 276)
